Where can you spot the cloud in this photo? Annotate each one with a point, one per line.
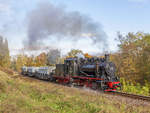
(5, 9)
(6, 16)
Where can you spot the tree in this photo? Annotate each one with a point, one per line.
(87, 55)
(41, 60)
(4, 53)
(133, 58)
(74, 52)
(18, 62)
(30, 61)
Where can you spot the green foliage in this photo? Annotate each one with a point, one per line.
(128, 86)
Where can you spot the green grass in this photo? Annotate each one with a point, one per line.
(26, 95)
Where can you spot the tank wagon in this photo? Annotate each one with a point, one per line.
(45, 73)
(96, 73)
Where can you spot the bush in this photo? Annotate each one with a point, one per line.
(129, 87)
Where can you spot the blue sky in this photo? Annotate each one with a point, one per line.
(114, 15)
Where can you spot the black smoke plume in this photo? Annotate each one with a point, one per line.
(53, 56)
(47, 21)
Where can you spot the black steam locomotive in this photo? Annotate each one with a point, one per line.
(96, 73)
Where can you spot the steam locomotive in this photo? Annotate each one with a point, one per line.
(96, 73)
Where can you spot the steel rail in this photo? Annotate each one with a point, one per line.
(134, 96)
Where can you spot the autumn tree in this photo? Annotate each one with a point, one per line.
(74, 52)
(31, 61)
(41, 59)
(4, 53)
(133, 58)
(19, 61)
(87, 55)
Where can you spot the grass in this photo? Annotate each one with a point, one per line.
(26, 95)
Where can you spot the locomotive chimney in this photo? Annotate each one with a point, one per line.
(107, 57)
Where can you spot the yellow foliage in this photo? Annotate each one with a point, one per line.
(87, 55)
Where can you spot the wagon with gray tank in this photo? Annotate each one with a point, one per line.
(24, 70)
(45, 73)
(31, 71)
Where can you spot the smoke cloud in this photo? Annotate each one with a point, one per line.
(47, 21)
(53, 56)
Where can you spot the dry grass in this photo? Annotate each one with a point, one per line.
(27, 95)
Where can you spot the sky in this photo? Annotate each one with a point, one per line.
(113, 15)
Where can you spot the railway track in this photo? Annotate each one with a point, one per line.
(134, 96)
